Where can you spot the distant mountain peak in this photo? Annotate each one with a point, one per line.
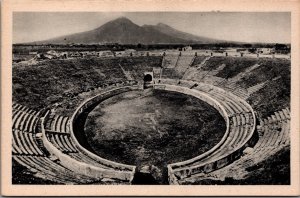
(122, 30)
(122, 19)
(163, 25)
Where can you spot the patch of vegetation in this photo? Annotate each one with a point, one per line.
(276, 93)
(269, 69)
(198, 60)
(273, 97)
(235, 65)
(138, 65)
(214, 63)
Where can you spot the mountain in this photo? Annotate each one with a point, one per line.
(124, 31)
(166, 29)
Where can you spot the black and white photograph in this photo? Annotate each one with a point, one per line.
(135, 98)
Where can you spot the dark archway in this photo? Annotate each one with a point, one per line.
(147, 78)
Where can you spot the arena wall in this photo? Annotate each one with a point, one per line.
(223, 160)
(80, 167)
(86, 107)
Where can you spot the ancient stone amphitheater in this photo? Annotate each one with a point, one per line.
(48, 143)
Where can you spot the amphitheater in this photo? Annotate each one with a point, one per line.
(47, 139)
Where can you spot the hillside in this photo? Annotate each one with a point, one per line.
(166, 29)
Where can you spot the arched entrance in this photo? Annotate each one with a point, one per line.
(148, 79)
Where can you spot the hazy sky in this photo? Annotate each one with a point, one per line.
(235, 26)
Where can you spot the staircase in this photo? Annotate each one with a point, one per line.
(256, 87)
(169, 61)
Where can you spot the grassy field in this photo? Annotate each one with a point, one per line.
(153, 128)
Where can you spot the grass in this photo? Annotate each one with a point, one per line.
(234, 66)
(269, 69)
(276, 94)
(138, 65)
(273, 97)
(213, 63)
(198, 60)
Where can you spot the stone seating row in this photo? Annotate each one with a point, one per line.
(25, 121)
(61, 141)
(278, 116)
(47, 169)
(58, 123)
(84, 158)
(16, 106)
(272, 140)
(24, 143)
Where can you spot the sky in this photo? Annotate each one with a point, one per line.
(266, 27)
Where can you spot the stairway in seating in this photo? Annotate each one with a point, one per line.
(203, 62)
(183, 63)
(256, 87)
(242, 74)
(169, 61)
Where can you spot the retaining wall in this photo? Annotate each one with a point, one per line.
(221, 161)
(81, 167)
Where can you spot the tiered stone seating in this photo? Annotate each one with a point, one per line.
(199, 61)
(24, 119)
(276, 135)
(27, 152)
(43, 167)
(84, 158)
(240, 130)
(61, 139)
(57, 123)
(25, 143)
